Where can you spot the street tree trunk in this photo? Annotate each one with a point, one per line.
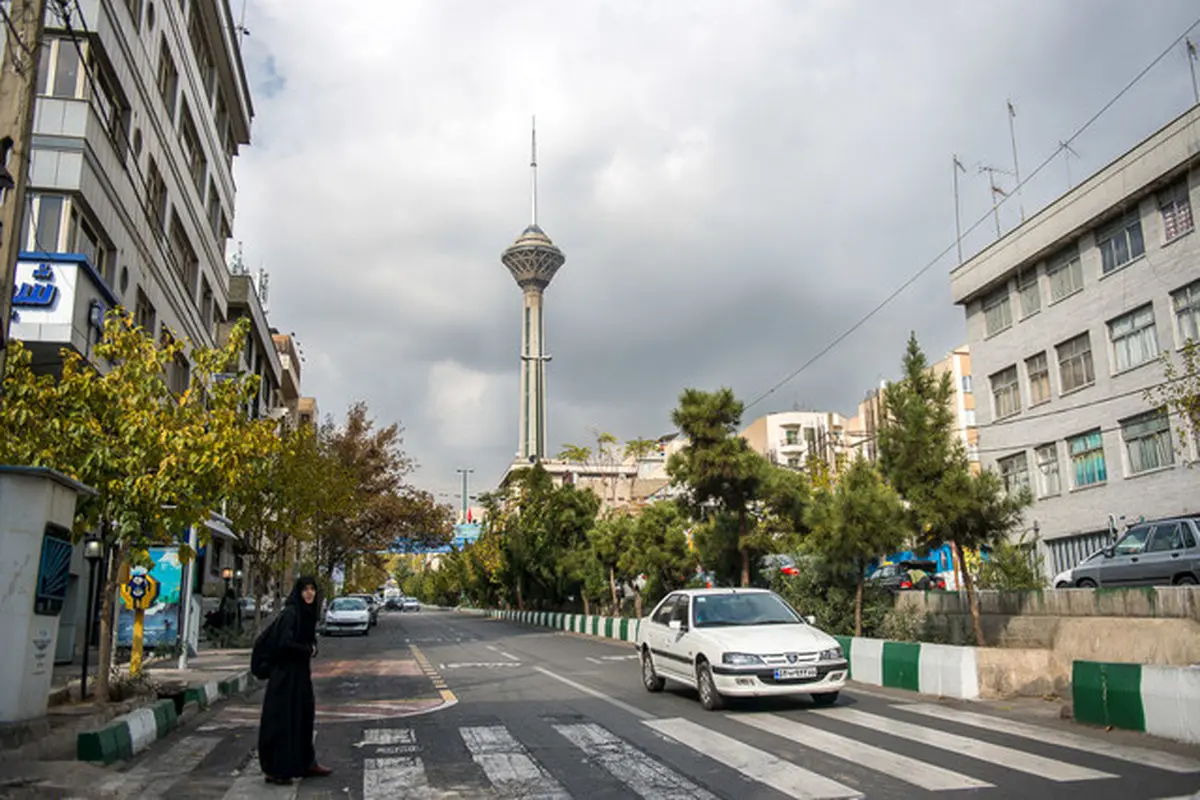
(858, 602)
(587, 612)
(972, 598)
(612, 584)
(744, 551)
(107, 611)
(637, 604)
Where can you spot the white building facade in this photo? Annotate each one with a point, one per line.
(1067, 317)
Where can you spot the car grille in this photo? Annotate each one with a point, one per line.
(788, 659)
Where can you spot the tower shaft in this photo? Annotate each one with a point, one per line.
(533, 377)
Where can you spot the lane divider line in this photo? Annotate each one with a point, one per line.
(637, 712)
(438, 682)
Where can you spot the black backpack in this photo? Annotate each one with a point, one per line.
(262, 657)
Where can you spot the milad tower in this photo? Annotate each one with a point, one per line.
(533, 261)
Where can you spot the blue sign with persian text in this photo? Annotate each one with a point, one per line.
(40, 293)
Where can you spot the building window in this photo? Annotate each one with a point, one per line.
(1176, 208)
(1028, 293)
(82, 237)
(168, 78)
(1014, 472)
(1134, 338)
(143, 313)
(966, 384)
(193, 153)
(791, 436)
(206, 304)
(1187, 311)
(1075, 363)
(1121, 243)
(1065, 273)
(135, 11)
(1148, 441)
(201, 50)
(1037, 372)
(1087, 459)
(107, 102)
(810, 441)
(156, 198)
(1048, 482)
(1006, 393)
(186, 263)
(793, 462)
(997, 311)
(43, 222)
(59, 71)
(178, 374)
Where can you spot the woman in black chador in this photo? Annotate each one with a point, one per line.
(285, 735)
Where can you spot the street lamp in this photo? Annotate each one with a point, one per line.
(93, 551)
(238, 598)
(227, 576)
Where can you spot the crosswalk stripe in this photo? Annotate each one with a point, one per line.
(400, 776)
(385, 736)
(900, 767)
(1021, 761)
(251, 786)
(1137, 755)
(643, 775)
(509, 767)
(151, 778)
(783, 776)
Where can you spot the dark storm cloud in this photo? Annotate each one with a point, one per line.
(733, 187)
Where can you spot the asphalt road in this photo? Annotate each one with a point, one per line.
(442, 705)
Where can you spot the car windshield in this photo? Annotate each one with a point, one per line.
(750, 608)
(349, 604)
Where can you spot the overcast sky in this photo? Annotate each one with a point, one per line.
(733, 185)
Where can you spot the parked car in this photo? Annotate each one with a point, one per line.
(738, 643)
(905, 575)
(1161, 553)
(348, 615)
(372, 606)
(411, 604)
(1066, 578)
(774, 564)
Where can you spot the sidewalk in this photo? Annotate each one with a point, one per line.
(116, 730)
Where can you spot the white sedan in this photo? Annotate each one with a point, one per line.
(738, 643)
(348, 615)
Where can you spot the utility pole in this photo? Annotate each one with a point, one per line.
(957, 218)
(18, 90)
(1192, 57)
(1012, 133)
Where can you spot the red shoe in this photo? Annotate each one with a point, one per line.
(317, 771)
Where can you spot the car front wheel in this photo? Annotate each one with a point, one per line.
(710, 698)
(650, 678)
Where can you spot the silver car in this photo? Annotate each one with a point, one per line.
(1165, 552)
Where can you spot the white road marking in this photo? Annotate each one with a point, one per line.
(478, 664)
(387, 778)
(251, 786)
(379, 736)
(641, 773)
(158, 774)
(1047, 768)
(928, 776)
(509, 767)
(780, 775)
(637, 712)
(594, 660)
(509, 656)
(1089, 744)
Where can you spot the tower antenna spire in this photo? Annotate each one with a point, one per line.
(533, 164)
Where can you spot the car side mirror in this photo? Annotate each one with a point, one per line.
(810, 619)
(1110, 551)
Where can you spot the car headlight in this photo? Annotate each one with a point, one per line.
(740, 659)
(832, 654)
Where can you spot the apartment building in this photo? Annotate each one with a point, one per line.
(794, 438)
(1067, 317)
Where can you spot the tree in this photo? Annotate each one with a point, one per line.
(1180, 391)
(1014, 567)
(658, 550)
(718, 466)
(576, 454)
(860, 518)
(159, 461)
(976, 512)
(606, 458)
(610, 539)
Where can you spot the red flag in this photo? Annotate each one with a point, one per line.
(469, 519)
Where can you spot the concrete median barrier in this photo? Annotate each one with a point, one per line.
(1161, 701)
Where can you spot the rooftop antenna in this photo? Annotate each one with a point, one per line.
(533, 164)
(996, 192)
(957, 216)
(241, 26)
(1067, 151)
(1192, 57)
(264, 281)
(1012, 133)
(238, 263)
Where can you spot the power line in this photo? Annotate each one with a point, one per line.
(982, 220)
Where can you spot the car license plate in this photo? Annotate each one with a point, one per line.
(792, 673)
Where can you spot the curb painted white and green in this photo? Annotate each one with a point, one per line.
(124, 737)
(621, 629)
(1159, 700)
